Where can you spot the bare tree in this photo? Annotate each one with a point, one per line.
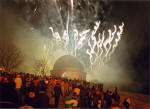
(41, 66)
(10, 56)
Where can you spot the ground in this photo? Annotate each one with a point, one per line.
(138, 101)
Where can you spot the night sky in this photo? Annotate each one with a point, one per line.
(136, 35)
(131, 58)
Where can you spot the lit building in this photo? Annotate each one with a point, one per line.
(68, 67)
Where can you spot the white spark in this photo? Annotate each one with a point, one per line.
(117, 39)
(82, 38)
(71, 5)
(98, 50)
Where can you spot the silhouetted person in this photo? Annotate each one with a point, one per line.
(42, 99)
(126, 103)
(116, 97)
(58, 92)
(108, 99)
(8, 97)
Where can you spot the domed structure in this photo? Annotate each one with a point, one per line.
(68, 67)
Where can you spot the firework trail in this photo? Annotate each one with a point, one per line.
(117, 39)
(97, 46)
(98, 50)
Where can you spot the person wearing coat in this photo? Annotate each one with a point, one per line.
(43, 98)
(58, 92)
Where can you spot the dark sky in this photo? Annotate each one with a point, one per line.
(136, 16)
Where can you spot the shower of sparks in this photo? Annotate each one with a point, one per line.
(97, 46)
(98, 49)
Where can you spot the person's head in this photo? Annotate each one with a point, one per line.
(110, 93)
(57, 83)
(116, 90)
(31, 94)
(46, 82)
(42, 86)
(97, 92)
(128, 100)
(107, 91)
(74, 94)
(26, 107)
(18, 76)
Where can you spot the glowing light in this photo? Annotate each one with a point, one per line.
(71, 5)
(81, 39)
(55, 34)
(98, 48)
(118, 38)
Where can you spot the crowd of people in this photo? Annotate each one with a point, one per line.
(27, 91)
